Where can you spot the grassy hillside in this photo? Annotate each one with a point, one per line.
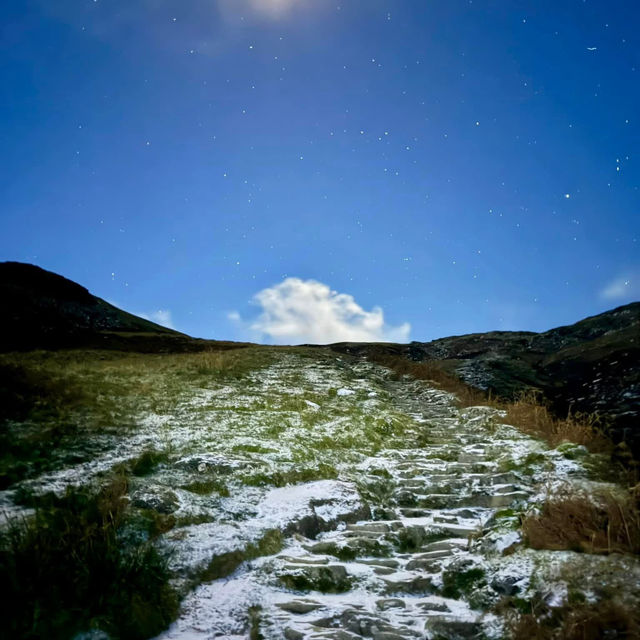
(283, 491)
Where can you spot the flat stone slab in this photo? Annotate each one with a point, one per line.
(299, 606)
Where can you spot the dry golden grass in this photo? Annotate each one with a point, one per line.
(593, 621)
(604, 523)
(600, 523)
(527, 412)
(467, 396)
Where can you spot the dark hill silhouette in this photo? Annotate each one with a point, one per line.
(47, 311)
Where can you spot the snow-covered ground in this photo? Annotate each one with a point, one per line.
(394, 513)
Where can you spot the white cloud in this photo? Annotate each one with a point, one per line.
(623, 287)
(161, 317)
(297, 311)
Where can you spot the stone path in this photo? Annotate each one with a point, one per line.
(430, 559)
(413, 571)
(336, 502)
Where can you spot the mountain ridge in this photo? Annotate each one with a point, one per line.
(590, 366)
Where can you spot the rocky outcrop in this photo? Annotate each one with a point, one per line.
(591, 366)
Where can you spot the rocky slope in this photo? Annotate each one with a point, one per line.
(591, 366)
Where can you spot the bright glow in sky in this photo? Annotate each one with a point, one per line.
(453, 166)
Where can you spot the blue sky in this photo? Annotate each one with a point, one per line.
(285, 170)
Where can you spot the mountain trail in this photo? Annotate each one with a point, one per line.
(320, 497)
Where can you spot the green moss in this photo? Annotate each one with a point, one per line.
(252, 448)
(381, 473)
(524, 466)
(378, 492)
(575, 597)
(456, 584)
(188, 521)
(225, 564)
(255, 615)
(206, 487)
(344, 553)
(292, 476)
(534, 458)
(147, 462)
(154, 523)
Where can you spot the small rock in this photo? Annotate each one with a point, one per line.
(383, 571)
(382, 562)
(305, 560)
(390, 603)
(326, 579)
(506, 585)
(299, 606)
(160, 500)
(452, 628)
(430, 566)
(433, 606)
(411, 584)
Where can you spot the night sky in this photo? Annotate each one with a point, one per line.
(311, 170)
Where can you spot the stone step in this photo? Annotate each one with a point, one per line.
(429, 565)
(299, 606)
(457, 530)
(451, 500)
(472, 456)
(370, 527)
(371, 535)
(305, 559)
(445, 545)
(465, 480)
(443, 626)
(381, 562)
(437, 553)
(410, 583)
(411, 512)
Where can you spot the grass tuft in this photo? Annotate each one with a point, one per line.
(575, 621)
(65, 571)
(531, 415)
(601, 523)
(147, 462)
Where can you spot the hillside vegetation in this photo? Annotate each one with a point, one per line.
(300, 493)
